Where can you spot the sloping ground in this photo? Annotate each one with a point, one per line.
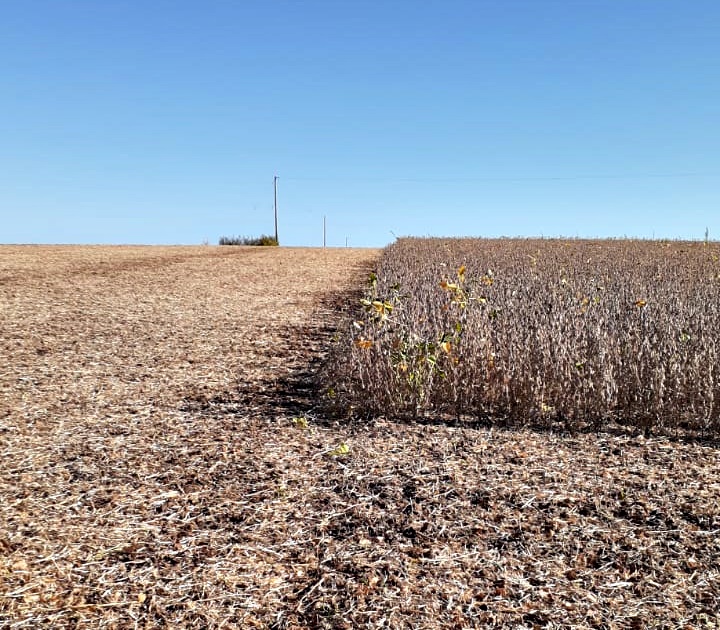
(154, 473)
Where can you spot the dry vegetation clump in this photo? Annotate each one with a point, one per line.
(539, 331)
(263, 240)
(162, 465)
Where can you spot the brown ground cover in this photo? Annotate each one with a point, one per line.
(154, 473)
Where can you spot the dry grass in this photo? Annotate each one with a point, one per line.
(151, 474)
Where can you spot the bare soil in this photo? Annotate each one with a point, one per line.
(163, 464)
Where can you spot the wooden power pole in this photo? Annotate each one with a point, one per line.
(275, 206)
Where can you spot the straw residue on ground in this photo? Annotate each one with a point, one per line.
(161, 465)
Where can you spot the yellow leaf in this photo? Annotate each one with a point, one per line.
(448, 286)
(364, 343)
(342, 449)
(141, 598)
(641, 303)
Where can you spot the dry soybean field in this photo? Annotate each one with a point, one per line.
(168, 459)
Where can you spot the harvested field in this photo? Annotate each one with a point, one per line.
(162, 465)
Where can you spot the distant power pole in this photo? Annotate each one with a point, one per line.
(324, 233)
(275, 206)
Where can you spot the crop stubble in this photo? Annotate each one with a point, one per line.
(151, 474)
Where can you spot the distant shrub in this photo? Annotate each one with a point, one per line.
(264, 240)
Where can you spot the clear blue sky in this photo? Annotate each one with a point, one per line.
(164, 121)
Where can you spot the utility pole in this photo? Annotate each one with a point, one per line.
(275, 206)
(324, 232)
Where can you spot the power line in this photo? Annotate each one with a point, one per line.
(455, 180)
